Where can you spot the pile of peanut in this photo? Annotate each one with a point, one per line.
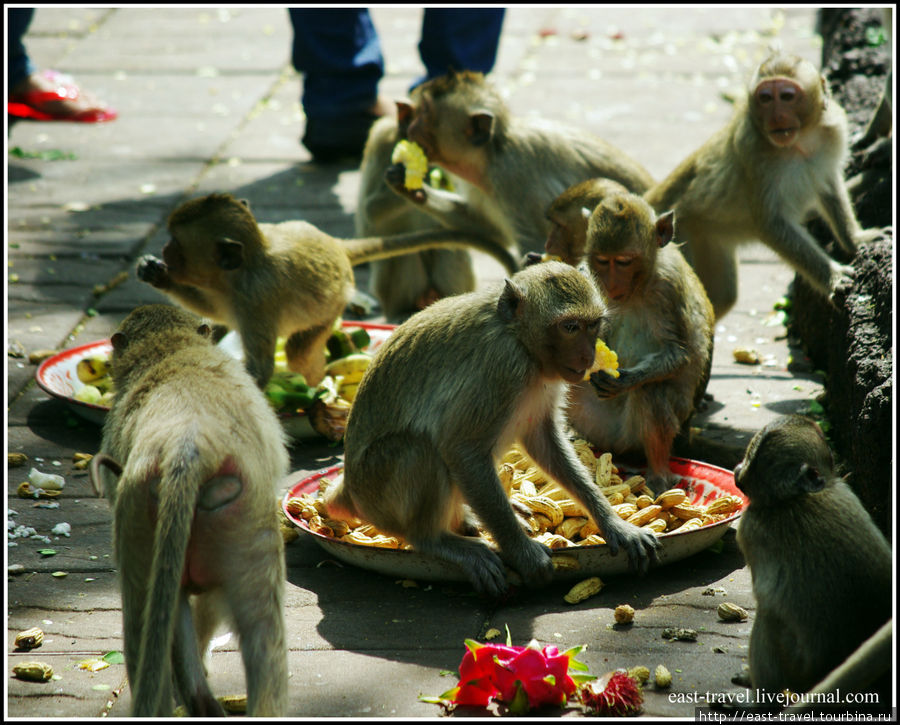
(553, 517)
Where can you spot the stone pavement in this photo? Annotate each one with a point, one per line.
(208, 101)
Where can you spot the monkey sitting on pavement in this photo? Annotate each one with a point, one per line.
(270, 280)
(190, 461)
(821, 569)
(444, 398)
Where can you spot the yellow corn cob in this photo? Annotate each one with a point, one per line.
(584, 589)
(604, 359)
(413, 158)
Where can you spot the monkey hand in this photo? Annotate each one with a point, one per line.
(841, 283)
(864, 236)
(395, 176)
(640, 545)
(153, 271)
(609, 387)
(533, 561)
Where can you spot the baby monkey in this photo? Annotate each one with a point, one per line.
(270, 280)
(445, 397)
(190, 460)
(821, 569)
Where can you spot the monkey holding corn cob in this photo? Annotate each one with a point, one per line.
(411, 155)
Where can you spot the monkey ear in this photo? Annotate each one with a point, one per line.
(119, 341)
(809, 479)
(510, 304)
(229, 254)
(404, 110)
(665, 228)
(480, 126)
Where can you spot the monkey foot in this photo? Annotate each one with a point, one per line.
(52, 96)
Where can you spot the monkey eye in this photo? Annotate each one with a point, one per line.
(570, 326)
(594, 325)
(624, 261)
(765, 96)
(788, 95)
(601, 261)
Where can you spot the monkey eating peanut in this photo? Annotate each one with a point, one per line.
(506, 169)
(190, 459)
(491, 367)
(270, 280)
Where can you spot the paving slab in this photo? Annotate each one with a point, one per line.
(208, 101)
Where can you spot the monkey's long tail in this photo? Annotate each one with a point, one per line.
(369, 249)
(178, 492)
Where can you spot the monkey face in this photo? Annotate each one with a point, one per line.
(572, 346)
(618, 275)
(173, 256)
(779, 103)
(786, 458)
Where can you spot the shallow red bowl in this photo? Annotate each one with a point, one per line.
(703, 483)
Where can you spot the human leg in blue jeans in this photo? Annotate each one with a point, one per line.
(18, 64)
(339, 55)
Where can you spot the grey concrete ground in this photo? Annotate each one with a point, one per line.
(208, 101)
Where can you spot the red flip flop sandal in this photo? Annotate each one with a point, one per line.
(31, 104)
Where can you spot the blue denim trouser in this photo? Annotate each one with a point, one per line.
(18, 64)
(339, 53)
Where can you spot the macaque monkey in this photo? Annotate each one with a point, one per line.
(517, 166)
(780, 157)
(568, 215)
(660, 324)
(447, 394)
(270, 280)
(868, 666)
(407, 283)
(190, 461)
(821, 569)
